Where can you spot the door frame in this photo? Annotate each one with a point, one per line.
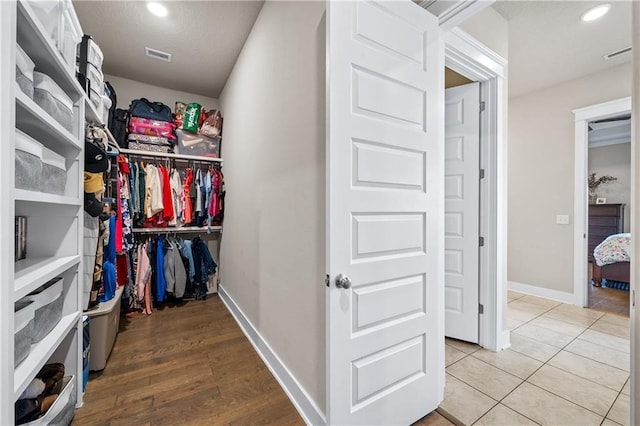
(582, 118)
(470, 58)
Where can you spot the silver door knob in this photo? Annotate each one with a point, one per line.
(342, 281)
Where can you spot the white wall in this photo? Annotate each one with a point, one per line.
(273, 247)
(128, 90)
(490, 29)
(541, 157)
(614, 160)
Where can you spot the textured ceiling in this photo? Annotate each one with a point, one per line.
(549, 44)
(203, 37)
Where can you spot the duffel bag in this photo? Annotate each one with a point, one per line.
(149, 143)
(144, 108)
(145, 126)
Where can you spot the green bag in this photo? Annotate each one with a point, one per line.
(192, 117)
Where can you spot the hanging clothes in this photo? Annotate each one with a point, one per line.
(186, 196)
(143, 279)
(161, 283)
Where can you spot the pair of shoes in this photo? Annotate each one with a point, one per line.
(52, 375)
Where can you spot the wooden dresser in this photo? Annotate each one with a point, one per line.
(604, 220)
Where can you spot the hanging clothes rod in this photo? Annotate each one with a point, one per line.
(149, 154)
(181, 230)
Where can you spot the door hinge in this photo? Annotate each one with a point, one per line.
(480, 308)
(326, 280)
(481, 173)
(481, 241)
(482, 106)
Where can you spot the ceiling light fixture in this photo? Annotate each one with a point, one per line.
(596, 12)
(157, 9)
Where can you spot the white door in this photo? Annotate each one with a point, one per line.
(462, 207)
(385, 355)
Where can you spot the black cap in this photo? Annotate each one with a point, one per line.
(95, 158)
(92, 205)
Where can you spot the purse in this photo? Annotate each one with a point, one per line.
(144, 108)
(212, 125)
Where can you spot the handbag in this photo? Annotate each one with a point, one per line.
(144, 108)
(212, 125)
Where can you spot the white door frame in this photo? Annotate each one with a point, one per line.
(465, 55)
(580, 222)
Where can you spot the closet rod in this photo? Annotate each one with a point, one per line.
(150, 154)
(181, 230)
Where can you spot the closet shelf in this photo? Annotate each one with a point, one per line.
(181, 230)
(42, 351)
(35, 121)
(33, 38)
(90, 112)
(32, 273)
(168, 155)
(43, 197)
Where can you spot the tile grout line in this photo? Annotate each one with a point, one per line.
(547, 361)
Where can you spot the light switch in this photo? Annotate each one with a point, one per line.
(562, 219)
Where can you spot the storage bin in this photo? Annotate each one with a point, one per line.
(195, 144)
(94, 55)
(48, 302)
(105, 322)
(48, 13)
(70, 35)
(96, 78)
(53, 100)
(24, 312)
(54, 173)
(106, 106)
(63, 409)
(24, 71)
(28, 162)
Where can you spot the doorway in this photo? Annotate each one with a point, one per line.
(609, 181)
(462, 204)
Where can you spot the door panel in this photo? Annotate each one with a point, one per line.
(462, 204)
(385, 155)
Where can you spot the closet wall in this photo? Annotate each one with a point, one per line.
(128, 90)
(273, 247)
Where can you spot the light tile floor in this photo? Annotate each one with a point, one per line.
(566, 366)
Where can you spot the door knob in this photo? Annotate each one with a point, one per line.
(342, 281)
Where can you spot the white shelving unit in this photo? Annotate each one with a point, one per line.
(54, 222)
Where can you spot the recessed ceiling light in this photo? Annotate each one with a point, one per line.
(596, 12)
(157, 9)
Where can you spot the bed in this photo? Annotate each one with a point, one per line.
(611, 259)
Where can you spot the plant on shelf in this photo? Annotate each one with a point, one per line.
(594, 183)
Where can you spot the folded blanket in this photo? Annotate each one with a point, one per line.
(615, 248)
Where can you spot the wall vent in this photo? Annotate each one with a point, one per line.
(616, 53)
(157, 54)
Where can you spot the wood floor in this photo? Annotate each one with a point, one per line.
(188, 365)
(184, 365)
(612, 300)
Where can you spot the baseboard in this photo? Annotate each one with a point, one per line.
(298, 396)
(559, 296)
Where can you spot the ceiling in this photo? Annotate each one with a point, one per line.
(610, 131)
(549, 44)
(203, 37)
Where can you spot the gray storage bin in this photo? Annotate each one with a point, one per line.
(28, 162)
(54, 173)
(53, 100)
(24, 312)
(24, 71)
(48, 308)
(63, 409)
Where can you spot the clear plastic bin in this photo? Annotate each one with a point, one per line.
(53, 100)
(24, 71)
(54, 173)
(28, 162)
(48, 13)
(24, 312)
(48, 302)
(70, 35)
(63, 409)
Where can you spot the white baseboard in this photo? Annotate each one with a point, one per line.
(559, 296)
(298, 396)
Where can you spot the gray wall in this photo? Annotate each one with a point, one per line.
(128, 90)
(273, 247)
(541, 175)
(614, 160)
